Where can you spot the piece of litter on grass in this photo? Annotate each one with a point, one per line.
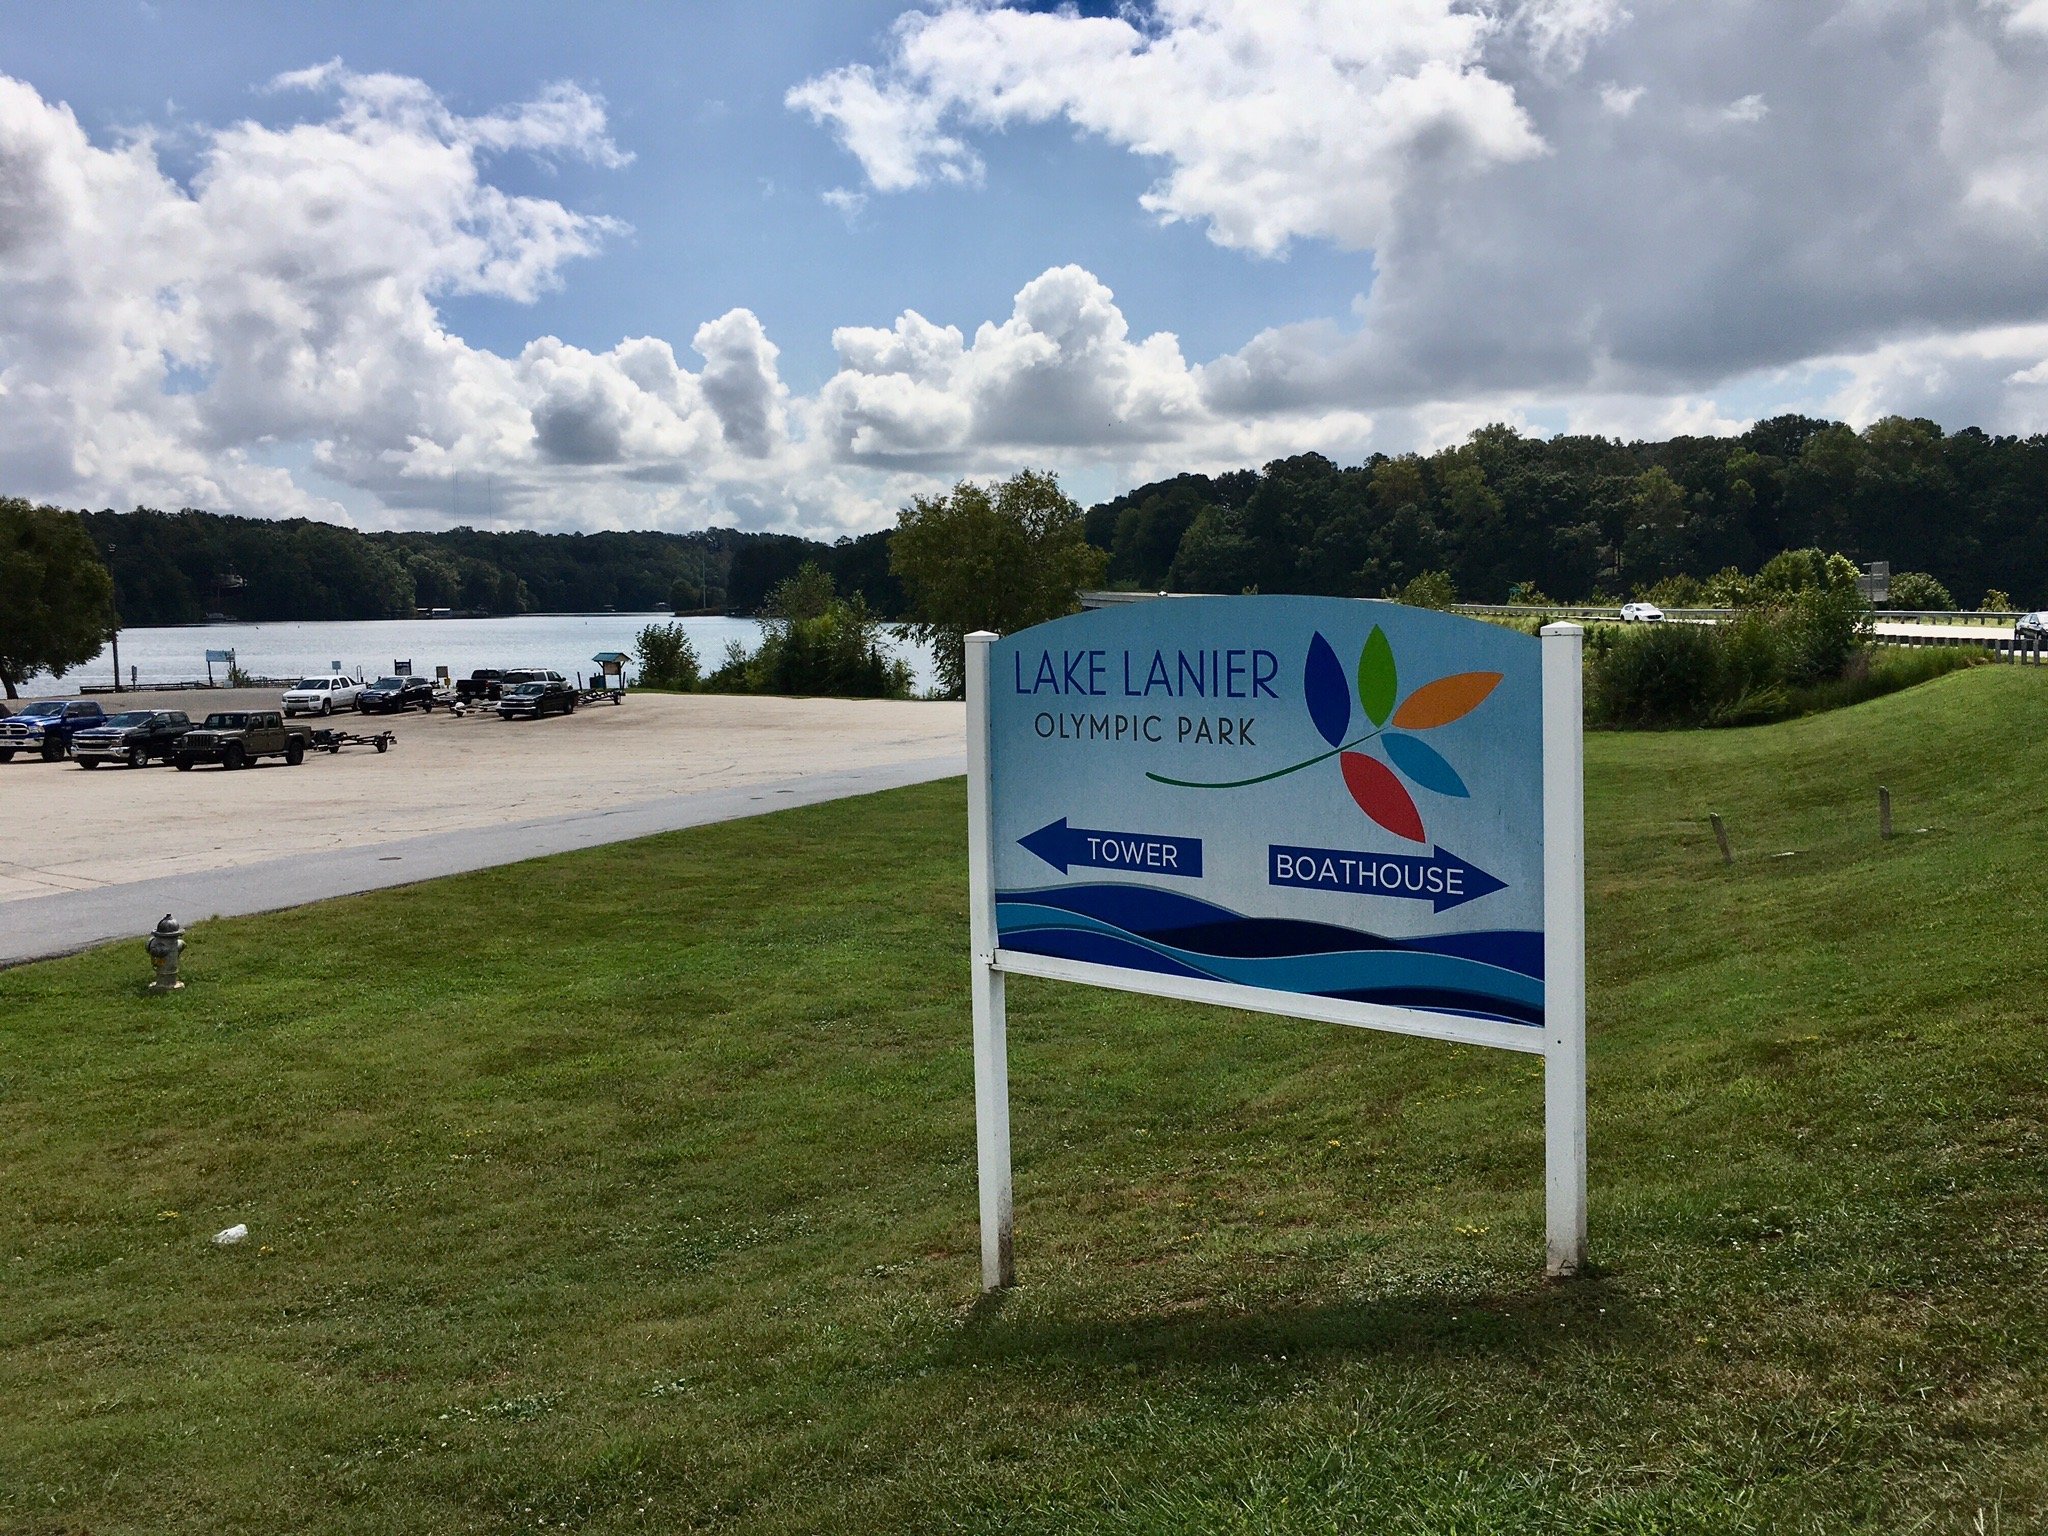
(1789, 853)
(232, 1235)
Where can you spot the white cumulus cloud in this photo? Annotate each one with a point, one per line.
(1274, 120)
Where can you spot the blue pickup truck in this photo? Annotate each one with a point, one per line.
(46, 728)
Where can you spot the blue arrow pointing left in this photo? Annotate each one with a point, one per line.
(1145, 853)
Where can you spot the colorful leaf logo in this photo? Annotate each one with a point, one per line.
(1375, 786)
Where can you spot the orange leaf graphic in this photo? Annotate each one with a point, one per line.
(1445, 700)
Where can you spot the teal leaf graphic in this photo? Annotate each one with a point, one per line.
(1424, 764)
(1377, 682)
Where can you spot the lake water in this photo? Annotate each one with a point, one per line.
(564, 641)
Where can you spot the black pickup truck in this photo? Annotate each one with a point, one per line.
(481, 686)
(133, 737)
(389, 695)
(236, 738)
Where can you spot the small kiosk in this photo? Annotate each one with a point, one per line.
(611, 677)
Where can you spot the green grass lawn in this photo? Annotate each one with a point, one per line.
(634, 1190)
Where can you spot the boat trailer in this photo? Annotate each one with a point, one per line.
(333, 741)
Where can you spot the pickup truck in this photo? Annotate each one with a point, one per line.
(533, 696)
(480, 686)
(236, 738)
(46, 728)
(389, 695)
(133, 737)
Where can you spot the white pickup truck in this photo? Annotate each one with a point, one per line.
(321, 695)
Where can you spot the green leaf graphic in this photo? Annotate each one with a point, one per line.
(1377, 683)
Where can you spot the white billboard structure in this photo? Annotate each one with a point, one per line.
(1323, 808)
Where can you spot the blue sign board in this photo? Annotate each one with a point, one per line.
(1315, 796)
(1320, 807)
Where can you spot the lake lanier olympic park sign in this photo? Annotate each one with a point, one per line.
(1325, 808)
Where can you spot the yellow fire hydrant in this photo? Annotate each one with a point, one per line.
(165, 946)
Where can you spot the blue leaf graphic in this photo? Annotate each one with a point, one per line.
(1424, 764)
(1328, 691)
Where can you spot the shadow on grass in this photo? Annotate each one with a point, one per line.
(1587, 1313)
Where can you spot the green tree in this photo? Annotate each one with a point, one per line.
(1801, 570)
(1819, 611)
(1148, 535)
(1917, 589)
(436, 583)
(1654, 546)
(998, 557)
(1432, 589)
(59, 600)
(1398, 483)
(807, 594)
(1726, 588)
(668, 659)
(1215, 555)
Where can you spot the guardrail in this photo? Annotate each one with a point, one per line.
(1594, 611)
(2029, 650)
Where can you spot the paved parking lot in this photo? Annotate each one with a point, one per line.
(613, 771)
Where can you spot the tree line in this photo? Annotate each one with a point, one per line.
(179, 567)
(1499, 517)
(1578, 519)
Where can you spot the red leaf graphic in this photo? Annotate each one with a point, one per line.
(1380, 795)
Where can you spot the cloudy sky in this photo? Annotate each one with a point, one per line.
(621, 265)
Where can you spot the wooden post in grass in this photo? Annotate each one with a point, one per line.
(991, 1022)
(1884, 813)
(1721, 837)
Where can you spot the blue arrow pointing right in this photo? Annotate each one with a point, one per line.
(1442, 879)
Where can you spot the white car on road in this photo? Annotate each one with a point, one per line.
(1641, 613)
(321, 695)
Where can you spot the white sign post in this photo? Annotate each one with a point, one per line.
(991, 1023)
(1196, 798)
(1564, 948)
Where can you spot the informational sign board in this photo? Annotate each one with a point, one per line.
(1331, 809)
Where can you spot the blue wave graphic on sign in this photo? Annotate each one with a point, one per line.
(1492, 975)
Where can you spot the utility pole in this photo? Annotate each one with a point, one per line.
(114, 634)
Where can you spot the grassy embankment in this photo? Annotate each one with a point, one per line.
(633, 1190)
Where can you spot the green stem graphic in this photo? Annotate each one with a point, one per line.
(1277, 773)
